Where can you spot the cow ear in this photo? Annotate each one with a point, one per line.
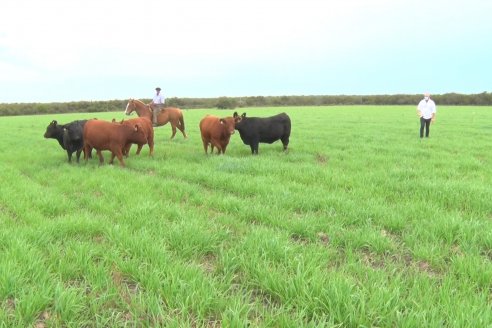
(113, 120)
(136, 127)
(222, 121)
(54, 122)
(235, 115)
(244, 115)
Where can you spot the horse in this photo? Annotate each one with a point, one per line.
(168, 114)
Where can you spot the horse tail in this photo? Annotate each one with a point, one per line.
(181, 120)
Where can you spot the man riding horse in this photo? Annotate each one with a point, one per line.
(157, 104)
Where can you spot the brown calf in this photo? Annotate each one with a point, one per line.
(216, 132)
(103, 135)
(148, 130)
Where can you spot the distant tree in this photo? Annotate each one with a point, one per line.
(226, 103)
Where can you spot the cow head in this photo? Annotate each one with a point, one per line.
(239, 120)
(139, 132)
(51, 129)
(229, 124)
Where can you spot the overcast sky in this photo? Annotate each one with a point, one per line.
(61, 50)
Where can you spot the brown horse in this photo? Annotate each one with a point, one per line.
(168, 114)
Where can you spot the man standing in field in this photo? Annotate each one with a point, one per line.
(426, 110)
(157, 104)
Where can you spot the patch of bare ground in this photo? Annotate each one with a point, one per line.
(300, 239)
(9, 213)
(10, 304)
(321, 159)
(41, 321)
(323, 238)
(126, 286)
(378, 261)
(487, 254)
(208, 263)
(267, 300)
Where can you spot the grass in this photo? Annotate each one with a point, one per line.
(361, 223)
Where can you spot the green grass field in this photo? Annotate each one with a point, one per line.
(360, 224)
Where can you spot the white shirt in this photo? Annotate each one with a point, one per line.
(158, 99)
(427, 108)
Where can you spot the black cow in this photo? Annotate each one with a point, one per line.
(254, 130)
(69, 136)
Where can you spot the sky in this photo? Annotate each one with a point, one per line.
(89, 50)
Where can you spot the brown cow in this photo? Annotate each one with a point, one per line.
(103, 135)
(216, 132)
(149, 134)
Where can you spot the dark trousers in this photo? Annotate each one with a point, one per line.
(424, 123)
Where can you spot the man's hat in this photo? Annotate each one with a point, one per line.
(158, 89)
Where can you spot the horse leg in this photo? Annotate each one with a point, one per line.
(174, 130)
(181, 128)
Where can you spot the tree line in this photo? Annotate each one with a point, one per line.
(480, 99)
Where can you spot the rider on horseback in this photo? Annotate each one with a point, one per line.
(157, 104)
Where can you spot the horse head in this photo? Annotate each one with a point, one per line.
(130, 107)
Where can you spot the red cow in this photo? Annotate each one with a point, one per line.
(148, 130)
(103, 135)
(216, 132)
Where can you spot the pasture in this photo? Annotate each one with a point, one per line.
(361, 223)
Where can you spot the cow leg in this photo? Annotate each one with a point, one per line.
(69, 155)
(138, 149)
(255, 148)
(285, 142)
(78, 155)
(150, 142)
(126, 150)
(120, 158)
(101, 158)
(205, 146)
(86, 152)
(224, 148)
(151, 148)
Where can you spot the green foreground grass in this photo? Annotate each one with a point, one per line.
(360, 224)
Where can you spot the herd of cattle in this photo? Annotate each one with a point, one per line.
(117, 137)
